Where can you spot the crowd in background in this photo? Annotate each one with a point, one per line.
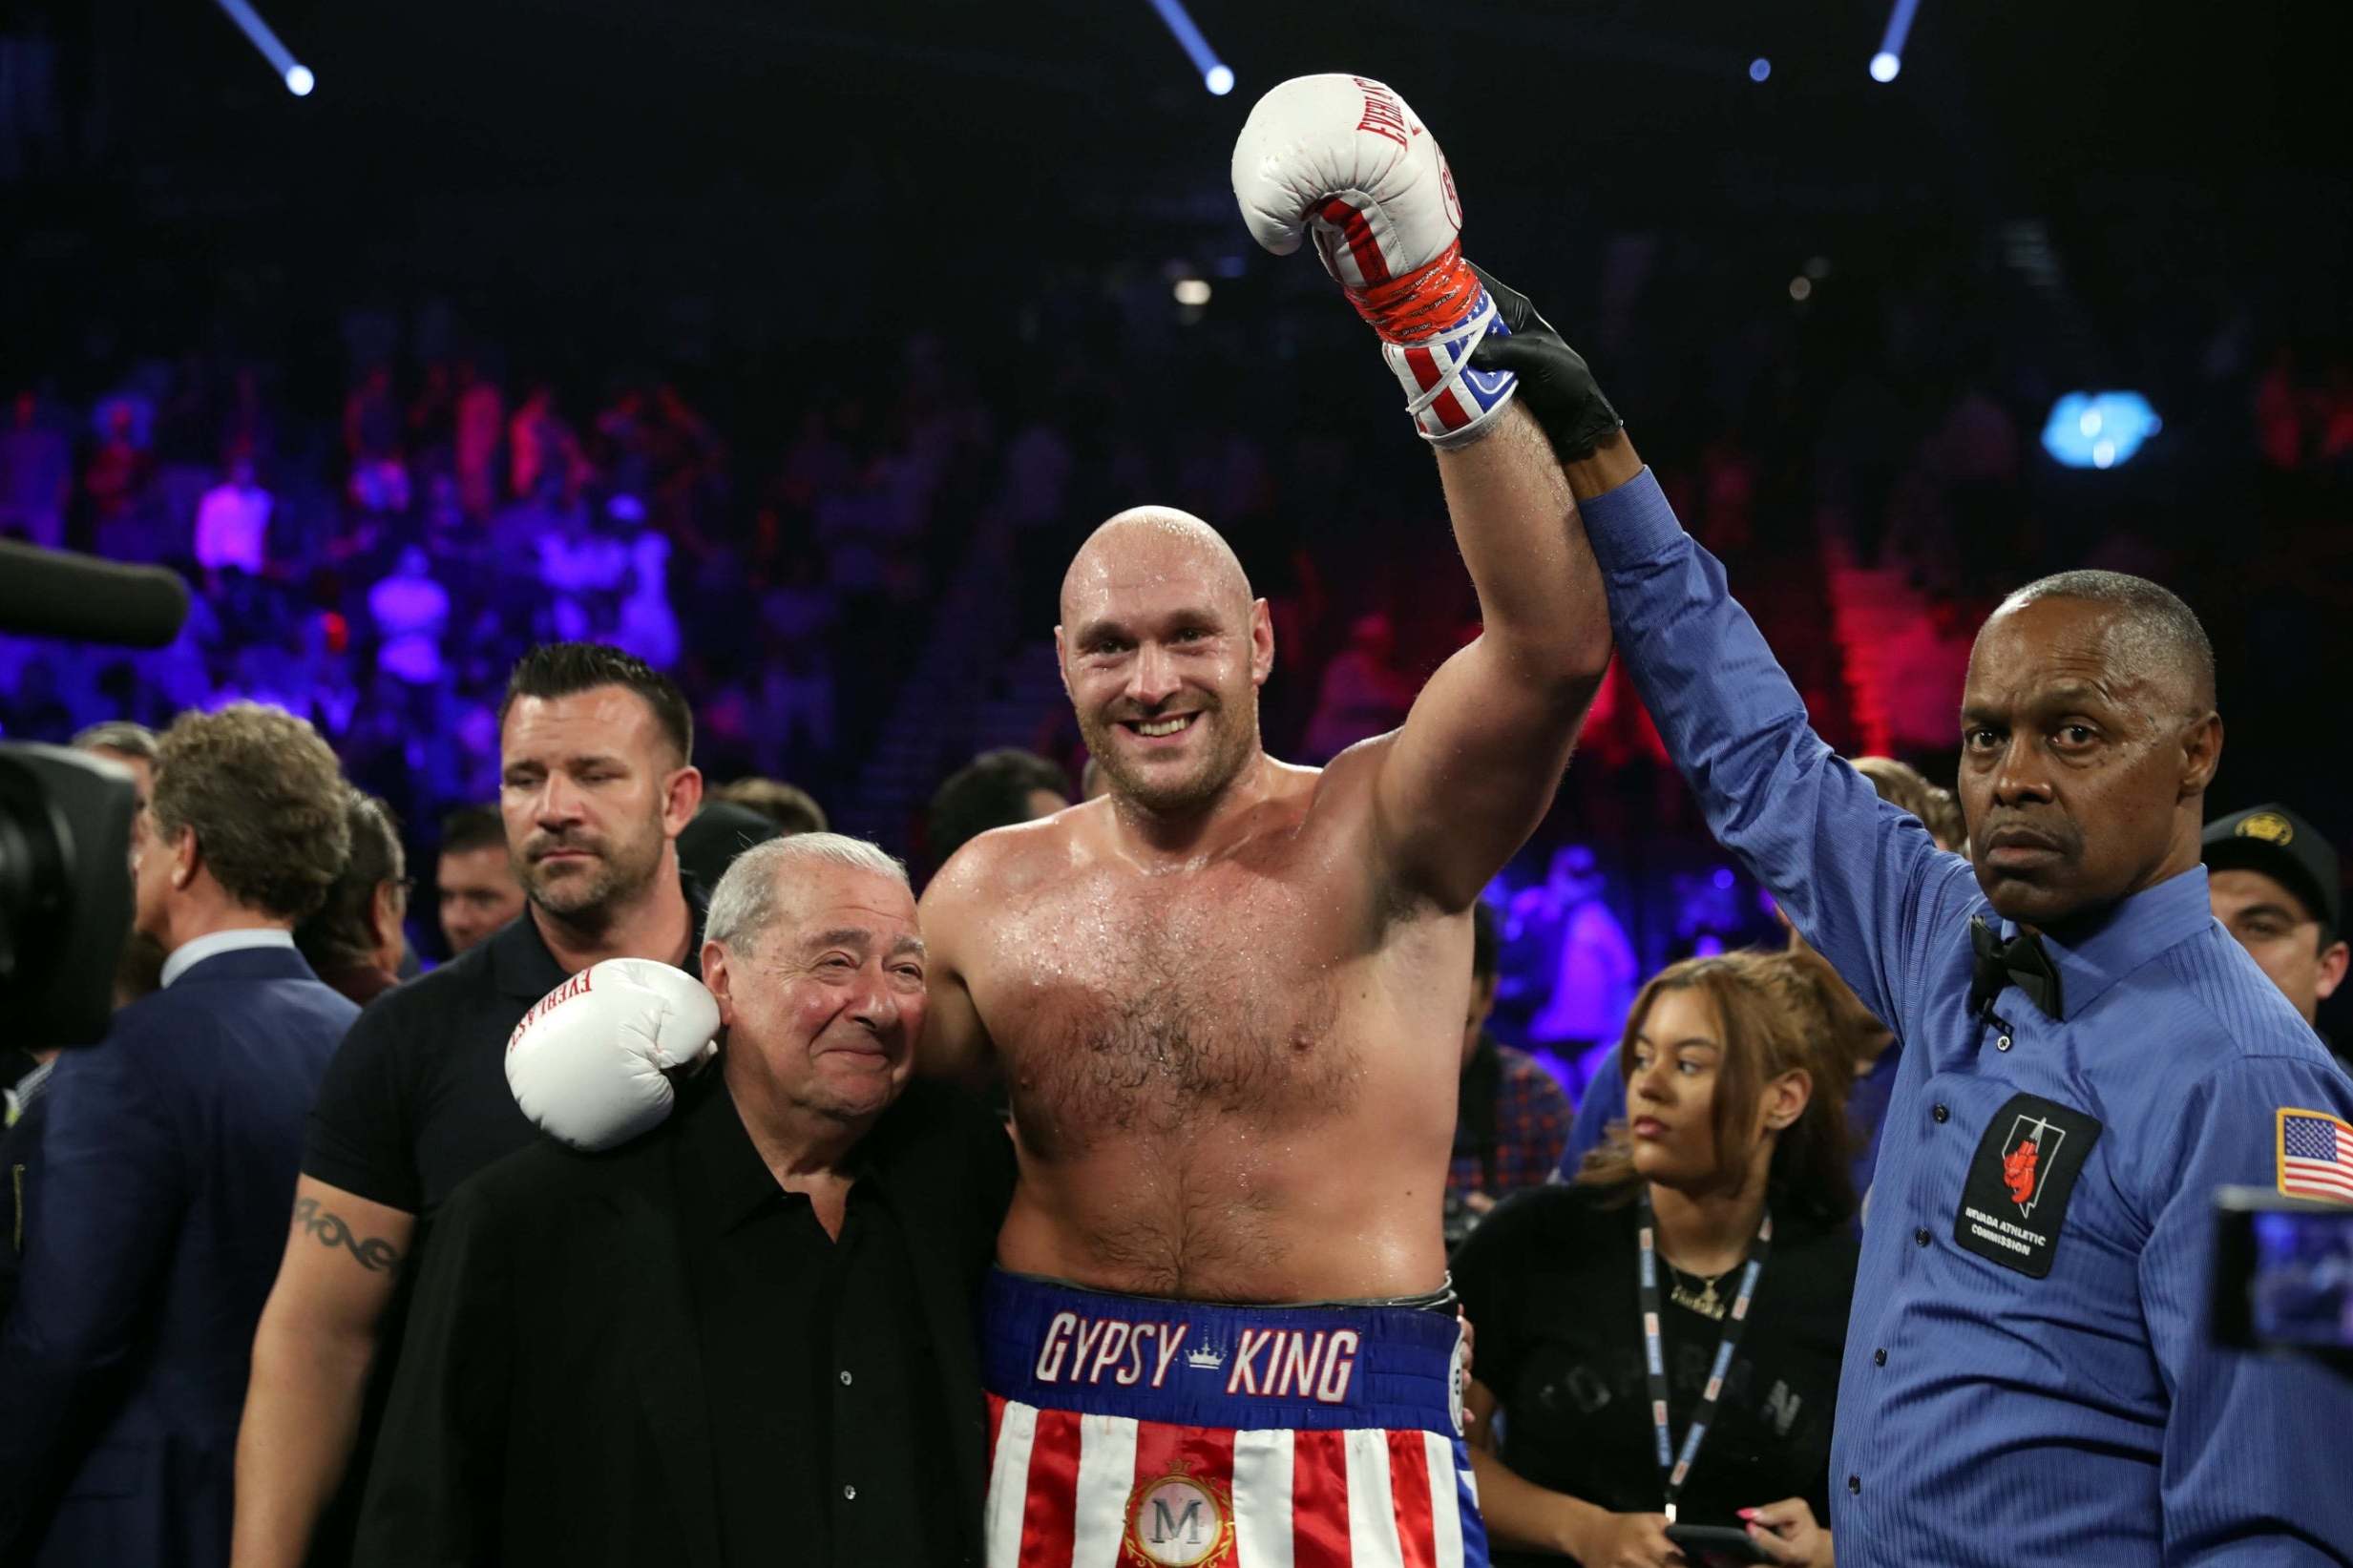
(376, 563)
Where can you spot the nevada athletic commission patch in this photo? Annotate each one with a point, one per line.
(2020, 1181)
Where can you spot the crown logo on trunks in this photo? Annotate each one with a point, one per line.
(1205, 1359)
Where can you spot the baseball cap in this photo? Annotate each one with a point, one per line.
(719, 831)
(2283, 845)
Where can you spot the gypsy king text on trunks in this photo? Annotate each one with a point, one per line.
(1269, 1363)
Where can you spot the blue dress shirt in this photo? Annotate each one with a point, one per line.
(2028, 1380)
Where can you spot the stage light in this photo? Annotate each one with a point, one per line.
(1800, 288)
(1214, 73)
(1890, 59)
(298, 78)
(1193, 291)
(2098, 429)
(1760, 69)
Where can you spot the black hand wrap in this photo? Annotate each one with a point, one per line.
(1555, 380)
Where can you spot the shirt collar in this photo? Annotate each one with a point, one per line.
(526, 967)
(195, 950)
(2129, 935)
(737, 1180)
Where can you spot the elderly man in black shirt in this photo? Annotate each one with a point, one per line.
(745, 1337)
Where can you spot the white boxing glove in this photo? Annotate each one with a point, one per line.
(1345, 159)
(590, 1061)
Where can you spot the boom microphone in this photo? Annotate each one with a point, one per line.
(56, 593)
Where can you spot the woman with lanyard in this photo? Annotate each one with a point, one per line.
(1659, 1340)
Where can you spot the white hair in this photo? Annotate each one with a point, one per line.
(748, 898)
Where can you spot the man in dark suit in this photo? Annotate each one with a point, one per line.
(154, 1200)
(745, 1336)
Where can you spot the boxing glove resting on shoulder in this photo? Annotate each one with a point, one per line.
(590, 1062)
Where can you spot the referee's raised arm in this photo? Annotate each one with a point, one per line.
(1859, 879)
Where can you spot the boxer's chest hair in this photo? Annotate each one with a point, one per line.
(1146, 1009)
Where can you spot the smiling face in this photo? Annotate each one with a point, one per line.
(2085, 754)
(824, 1006)
(1163, 652)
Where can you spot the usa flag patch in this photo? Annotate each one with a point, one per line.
(2316, 1156)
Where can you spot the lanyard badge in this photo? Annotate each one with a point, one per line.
(1674, 1466)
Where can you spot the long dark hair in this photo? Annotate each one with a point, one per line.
(1776, 1013)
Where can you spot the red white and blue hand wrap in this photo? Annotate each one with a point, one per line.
(1344, 158)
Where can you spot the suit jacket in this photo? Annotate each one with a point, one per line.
(18, 1143)
(553, 1404)
(156, 1213)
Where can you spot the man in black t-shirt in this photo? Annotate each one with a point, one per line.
(596, 781)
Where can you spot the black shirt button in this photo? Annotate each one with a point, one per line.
(1878, 1358)
(1853, 1486)
(1921, 1235)
(1943, 1115)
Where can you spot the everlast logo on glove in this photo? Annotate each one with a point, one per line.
(578, 984)
(1383, 115)
(2020, 1180)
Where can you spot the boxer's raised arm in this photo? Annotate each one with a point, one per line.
(1473, 771)
(1345, 161)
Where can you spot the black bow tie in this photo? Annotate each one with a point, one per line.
(2019, 961)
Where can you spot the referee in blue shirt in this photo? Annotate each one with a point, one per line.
(2088, 1056)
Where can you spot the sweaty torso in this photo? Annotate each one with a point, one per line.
(1232, 1080)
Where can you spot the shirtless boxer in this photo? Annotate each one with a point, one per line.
(1227, 998)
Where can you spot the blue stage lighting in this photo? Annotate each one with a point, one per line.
(1214, 74)
(1760, 69)
(1890, 59)
(2098, 429)
(298, 78)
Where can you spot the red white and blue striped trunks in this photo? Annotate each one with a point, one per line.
(1130, 1432)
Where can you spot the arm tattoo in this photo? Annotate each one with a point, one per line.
(375, 1254)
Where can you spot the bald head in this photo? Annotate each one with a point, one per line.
(1152, 545)
(1163, 652)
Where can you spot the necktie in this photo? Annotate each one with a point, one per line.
(2019, 961)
